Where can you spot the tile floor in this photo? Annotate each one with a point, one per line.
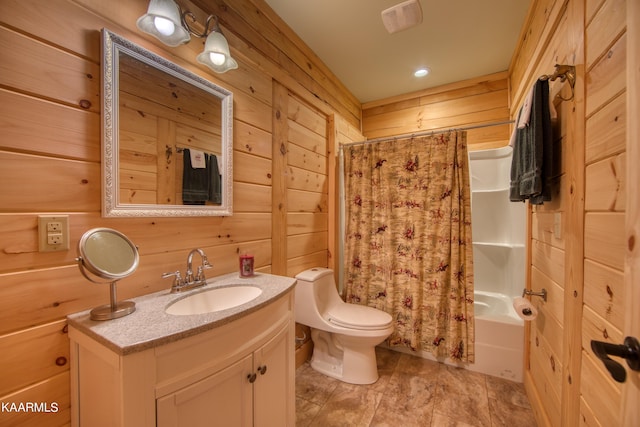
(411, 391)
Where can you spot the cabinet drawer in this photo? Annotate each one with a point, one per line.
(210, 351)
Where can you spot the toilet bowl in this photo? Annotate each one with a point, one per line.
(344, 335)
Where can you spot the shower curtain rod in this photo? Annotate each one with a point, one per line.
(423, 133)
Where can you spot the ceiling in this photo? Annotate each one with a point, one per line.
(457, 40)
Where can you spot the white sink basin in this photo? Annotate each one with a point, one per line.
(213, 300)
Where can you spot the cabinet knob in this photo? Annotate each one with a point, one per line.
(262, 369)
(252, 377)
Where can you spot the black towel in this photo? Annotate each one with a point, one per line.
(195, 182)
(533, 152)
(215, 180)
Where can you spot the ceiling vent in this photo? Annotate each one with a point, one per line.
(402, 16)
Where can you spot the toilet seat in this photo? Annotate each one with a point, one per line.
(354, 316)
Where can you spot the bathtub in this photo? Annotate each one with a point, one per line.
(499, 339)
(499, 346)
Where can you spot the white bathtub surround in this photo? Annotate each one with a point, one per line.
(499, 258)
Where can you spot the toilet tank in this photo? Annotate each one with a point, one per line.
(315, 292)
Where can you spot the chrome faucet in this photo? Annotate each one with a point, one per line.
(190, 282)
(199, 279)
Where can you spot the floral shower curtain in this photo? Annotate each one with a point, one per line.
(408, 244)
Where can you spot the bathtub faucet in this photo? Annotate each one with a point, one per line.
(542, 293)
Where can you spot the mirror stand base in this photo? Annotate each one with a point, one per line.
(113, 311)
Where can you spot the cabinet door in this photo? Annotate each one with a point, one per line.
(274, 389)
(222, 399)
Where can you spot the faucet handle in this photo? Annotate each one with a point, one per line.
(177, 282)
(205, 263)
(200, 274)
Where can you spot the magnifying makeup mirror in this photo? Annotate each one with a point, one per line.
(111, 256)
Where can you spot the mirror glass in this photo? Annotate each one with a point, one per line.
(107, 253)
(167, 136)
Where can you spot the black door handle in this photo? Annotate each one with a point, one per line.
(630, 351)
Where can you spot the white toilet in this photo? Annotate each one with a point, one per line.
(344, 335)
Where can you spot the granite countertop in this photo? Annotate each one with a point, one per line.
(149, 326)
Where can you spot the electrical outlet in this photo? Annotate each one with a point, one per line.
(54, 227)
(53, 233)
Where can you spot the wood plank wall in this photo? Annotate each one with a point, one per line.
(50, 163)
(478, 101)
(582, 268)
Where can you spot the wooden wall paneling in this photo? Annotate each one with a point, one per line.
(71, 185)
(306, 244)
(306, 201)
(542, 387)
(604, 292)
(54, 389)
(607, 25)
(52, 73)
(170, 167)
(304, 222)
(279, 185)
(550, 364)
(543, 226)
(248, 109)
(606, 183)
(607, 77)
(591, 7)
(20, 246)
(604, 233)
(251, 140)
(532, 53)
(606, 130)
(35, 126)
(549, 260)
(306, 159)
(630, 412)
(456, 107)
(572, 116)
(251, 169)
(604, 239)
(600, 392)
(553, 307)
(251, 198)
(23, 351)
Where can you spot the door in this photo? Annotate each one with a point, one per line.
(222, 399)
(274, 399)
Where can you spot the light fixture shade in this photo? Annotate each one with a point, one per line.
(164, 22)
(216, 45)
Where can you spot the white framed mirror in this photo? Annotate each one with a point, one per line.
(167, 137)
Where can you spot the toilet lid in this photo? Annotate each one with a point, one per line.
(356, 316)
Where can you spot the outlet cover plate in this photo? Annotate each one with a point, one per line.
(59, 233)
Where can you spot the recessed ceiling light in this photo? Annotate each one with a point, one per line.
(421, 72)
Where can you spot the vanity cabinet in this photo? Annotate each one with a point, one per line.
(241, 373)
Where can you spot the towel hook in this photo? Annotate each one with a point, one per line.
(563, 72)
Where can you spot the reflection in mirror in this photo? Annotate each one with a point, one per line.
(109, 255)
(167, 137)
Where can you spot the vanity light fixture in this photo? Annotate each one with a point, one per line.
(166, 21)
